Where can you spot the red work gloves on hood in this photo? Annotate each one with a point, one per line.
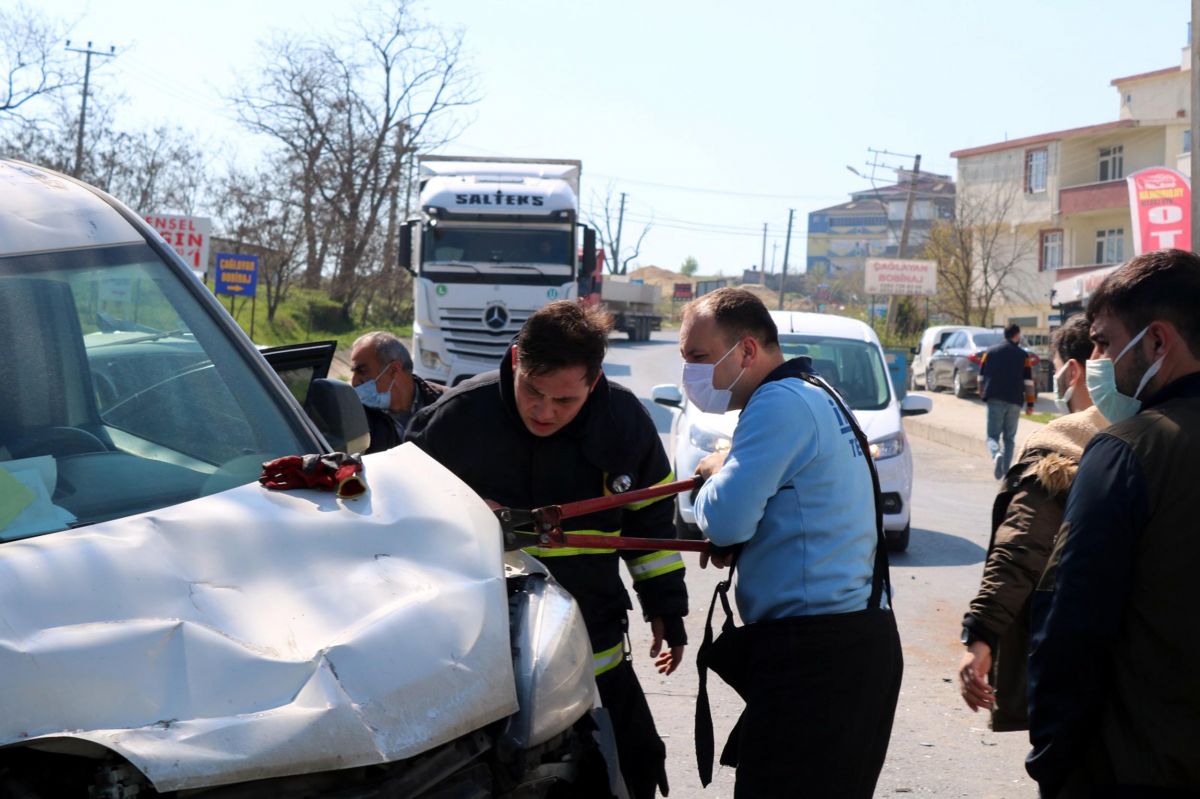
(336, 471)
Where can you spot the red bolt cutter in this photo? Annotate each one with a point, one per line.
(542, 527)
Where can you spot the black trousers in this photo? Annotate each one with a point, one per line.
(642, 753)
(819, 707)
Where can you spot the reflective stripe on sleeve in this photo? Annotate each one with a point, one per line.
(608, 660)
(646, 503)
(558, 552)
(653, 564)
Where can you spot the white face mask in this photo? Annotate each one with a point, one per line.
(370, 395)
(1063, 401)
(698, 385)
(1102, 384)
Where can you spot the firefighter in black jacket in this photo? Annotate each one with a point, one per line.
(547, 429)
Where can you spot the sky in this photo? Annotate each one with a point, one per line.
(712, 117)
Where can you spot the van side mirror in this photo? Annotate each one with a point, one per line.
(404, 247)
(914, 350)
(336, 410)
(912, 405)
(587, 263)
(667, 394)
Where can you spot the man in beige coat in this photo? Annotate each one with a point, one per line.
(1026, 517)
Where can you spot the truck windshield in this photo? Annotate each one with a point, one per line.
(547, 250)
(854, 368)
(121, 393)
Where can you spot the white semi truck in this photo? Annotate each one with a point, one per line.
(493, 240)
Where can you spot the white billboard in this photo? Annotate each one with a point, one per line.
(188, 235)
(895, 276)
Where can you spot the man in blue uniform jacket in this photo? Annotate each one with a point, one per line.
(797, 494)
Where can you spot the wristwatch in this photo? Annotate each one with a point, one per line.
(968, 636)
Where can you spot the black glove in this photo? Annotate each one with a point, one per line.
(674, 631)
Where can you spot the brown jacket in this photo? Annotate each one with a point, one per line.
(1026, 516)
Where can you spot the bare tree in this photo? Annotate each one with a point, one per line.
(259, 211)
(351, 113)
(162, 169)
(33, 61)
(979, 254)
(613, 232)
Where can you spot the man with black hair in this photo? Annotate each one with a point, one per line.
(1005, 382)
(548, 428)
(1026, 516)
(1114, 693)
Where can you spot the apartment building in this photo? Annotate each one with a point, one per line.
(1065, 196)
(842, 237)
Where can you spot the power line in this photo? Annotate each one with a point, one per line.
(87, 74)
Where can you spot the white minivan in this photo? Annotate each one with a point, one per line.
(169, 627)
(846, 352)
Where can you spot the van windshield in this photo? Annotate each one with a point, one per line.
(121, 393)
(854, 368)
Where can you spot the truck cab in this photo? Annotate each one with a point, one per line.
(493, 241)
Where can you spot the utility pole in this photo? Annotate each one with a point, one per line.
(616, 268)
(908, 212)
(1194, 119)
(762, 263)
(774, 252)
(87, 74)
(787, 246)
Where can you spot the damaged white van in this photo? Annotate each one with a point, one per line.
(170, 628)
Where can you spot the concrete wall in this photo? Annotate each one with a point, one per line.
(1144, 146)
(1159, 97)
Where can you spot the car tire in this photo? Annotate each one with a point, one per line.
(960, 390)
(930, 382)
(899, 541)
(912, 381)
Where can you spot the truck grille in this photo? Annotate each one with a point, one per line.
(468, 337)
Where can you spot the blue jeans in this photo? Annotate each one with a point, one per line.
(1002, 418)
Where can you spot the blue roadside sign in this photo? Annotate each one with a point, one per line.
(237, 274)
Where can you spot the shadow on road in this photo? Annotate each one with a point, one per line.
(661, 416)
(929, 548)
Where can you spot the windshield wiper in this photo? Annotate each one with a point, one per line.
(150, 337)
(426, 267)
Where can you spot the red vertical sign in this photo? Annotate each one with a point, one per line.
(1160, 202)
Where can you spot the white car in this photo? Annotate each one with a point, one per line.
(847, 354)
(170, 627)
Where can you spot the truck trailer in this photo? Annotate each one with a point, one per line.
(633, 306)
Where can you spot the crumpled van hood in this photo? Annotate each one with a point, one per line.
(254, 634)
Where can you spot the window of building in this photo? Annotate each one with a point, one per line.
(1110, 246)
(1051, 251)
(1187, 141)
(1112, 162)
(1036, 162)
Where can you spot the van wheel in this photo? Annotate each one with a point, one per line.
(960, 390)
(930, 382)
(899, 542)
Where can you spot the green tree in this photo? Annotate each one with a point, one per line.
(689, 267)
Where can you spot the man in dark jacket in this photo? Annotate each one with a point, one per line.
(1005, 383)
(1025, 519)
(547, 429)
(1114, 695)
(381, 371)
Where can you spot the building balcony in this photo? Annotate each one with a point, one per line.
(1111, 195)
